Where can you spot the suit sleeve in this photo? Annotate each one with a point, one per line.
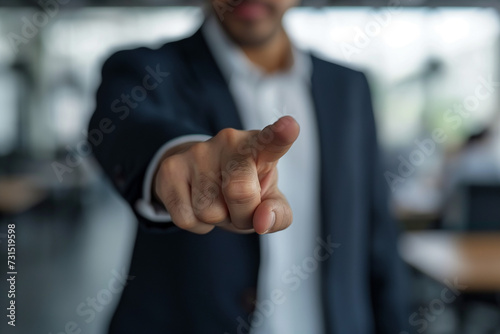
(389, 277)
(135, 116)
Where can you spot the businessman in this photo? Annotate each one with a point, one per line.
(219, 141)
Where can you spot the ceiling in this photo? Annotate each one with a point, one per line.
(369, 3)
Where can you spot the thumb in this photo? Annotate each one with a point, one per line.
(276, 139)
(273, 214)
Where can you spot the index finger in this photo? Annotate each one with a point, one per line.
(276, 139)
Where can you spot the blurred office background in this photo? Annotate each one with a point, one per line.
(433, 68)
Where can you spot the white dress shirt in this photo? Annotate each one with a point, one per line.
(261, 99)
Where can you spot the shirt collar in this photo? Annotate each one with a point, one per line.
(233, 62)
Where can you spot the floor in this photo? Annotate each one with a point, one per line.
(71, 247)
(69, 252)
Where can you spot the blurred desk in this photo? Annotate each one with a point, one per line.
(471, 258)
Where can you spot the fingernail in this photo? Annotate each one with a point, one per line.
(273, 220)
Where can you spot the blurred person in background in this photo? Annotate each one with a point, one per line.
(476, 163)
(216, 250)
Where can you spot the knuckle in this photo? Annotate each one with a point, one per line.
(205, 193)
(266, 136)
(186, 224)
(169, 166)
(237, 170)
(202, 231)
(242, 225)
(211, 216)
(239, 167)
(229, 135)
(185, 221)
(172, 202)
(199, 150)
(241, 192)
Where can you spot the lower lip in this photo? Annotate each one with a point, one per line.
(250, 10)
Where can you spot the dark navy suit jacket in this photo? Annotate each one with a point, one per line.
(187, 283)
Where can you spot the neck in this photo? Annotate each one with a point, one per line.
(272, 56)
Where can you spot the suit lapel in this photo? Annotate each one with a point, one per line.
(328, 106)
(220, 105)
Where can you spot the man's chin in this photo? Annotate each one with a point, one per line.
(249, 35)
(251, 42)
